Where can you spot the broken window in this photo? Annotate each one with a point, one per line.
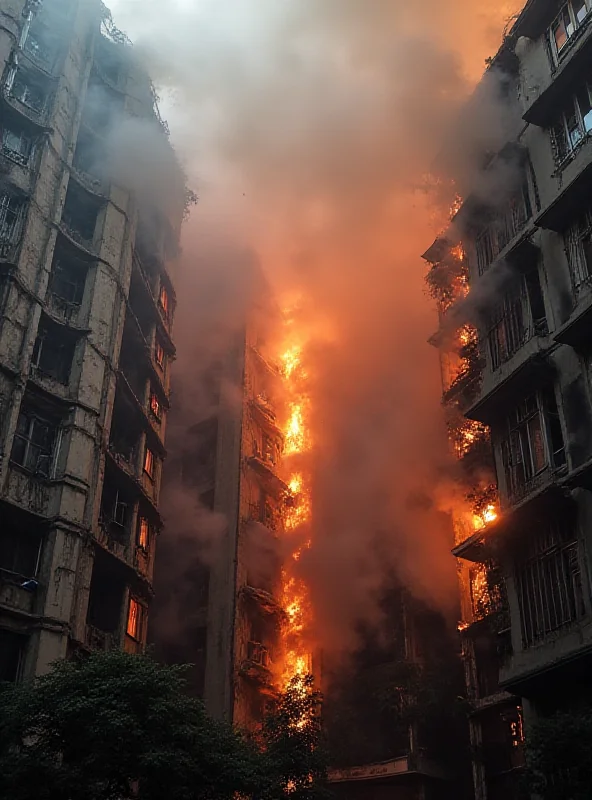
(17, 143)
(67, 282)
(53, 351)
(159, 353)
(12, 214)
(155, 406)
(89, 154)
(549, 581)
(80, 215)
(114, 509)
(12, 656)
(34, 441)
(31, 90)
(535, 442)
(578, 244)
(135, 619)
(144, 533)
(571, 17)
(149, 463)
(105, 597)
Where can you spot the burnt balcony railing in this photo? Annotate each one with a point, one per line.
(512, 328)
(498, 234)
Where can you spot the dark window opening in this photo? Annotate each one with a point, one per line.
(107, 60)
(141, 305)
(12, 656)
(80, 215)
(35, 439)
(53, 352)
(106, 596)
(17, 142)
(31, 90)
(89, 155)
(20, 550)
(67, 282)
(101, 107)
(125, 432)
(115, 515)
(131, 364)
(578, 244)
(12, 215)
(505, 223)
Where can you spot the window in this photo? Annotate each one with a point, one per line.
(34, 442)
(574, 123)
(80, 215)
(12, 656)
(12, 213)
(31, 91)
(502, 227)
(269, 450)
(19, 551)
(68, 278)
(549, 582)
(53, 352)
(155, 406)
(535, 441)
(578, 245)
(258, 654)
(516, 319)
(135, 619)
(144, 533)
(17, 144)
(163, 301)
(42, 44)
(149, 463)
(571, 17)
(159, 353)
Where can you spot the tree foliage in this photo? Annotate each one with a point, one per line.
(112, 725)
(559, 755)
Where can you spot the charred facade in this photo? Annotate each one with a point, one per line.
(86, 306)
(524, 571)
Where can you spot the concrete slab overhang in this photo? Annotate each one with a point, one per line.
(569, 203)
(543, 109)
(577, 331)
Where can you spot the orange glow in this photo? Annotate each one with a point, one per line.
(489, 514)
(456, 206)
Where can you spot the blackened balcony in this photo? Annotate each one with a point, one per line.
(500, 235)
(43, 44)
(66, 286)
(265, 469)
(257, 666)
(88, 158)
(30, 94)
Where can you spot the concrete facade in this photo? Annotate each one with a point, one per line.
(528, 261)
(86, 305)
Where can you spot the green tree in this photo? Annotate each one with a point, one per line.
(559, 755)
(114, 725)
(292, 748)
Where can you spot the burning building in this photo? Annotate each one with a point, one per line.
(520, 405)
(238, 459)
(86, 307)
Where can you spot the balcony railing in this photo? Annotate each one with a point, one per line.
(500, 232)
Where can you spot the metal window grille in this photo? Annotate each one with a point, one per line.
(34, 442)
(549, 584)
(11, 219)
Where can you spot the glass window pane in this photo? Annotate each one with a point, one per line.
(580, 10)
(537, 444)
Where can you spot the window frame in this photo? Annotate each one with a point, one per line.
(149, 464)
(136, 618)
(576, 25)
(144, 538)
(155, 405)
(50, 452)
(159, 354)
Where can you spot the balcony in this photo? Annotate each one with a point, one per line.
(572, 192)
(263, 599)
(30, 94)
(264, 468)
(503, 239)
(17, 592)
(256, 667)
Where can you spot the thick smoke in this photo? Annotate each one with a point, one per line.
(308, 128)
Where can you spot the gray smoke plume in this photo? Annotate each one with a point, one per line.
(308, 128)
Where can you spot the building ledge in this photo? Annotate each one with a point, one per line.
(568, 204)
(542, 110)
(528, 366)
(500, 698)
(576, 331)
(265, 600)
(564, 655)
(413, 764)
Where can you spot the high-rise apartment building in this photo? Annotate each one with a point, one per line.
(86, 304)
(519, 392)
(229, 459)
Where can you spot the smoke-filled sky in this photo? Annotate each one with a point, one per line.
(307, 128)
